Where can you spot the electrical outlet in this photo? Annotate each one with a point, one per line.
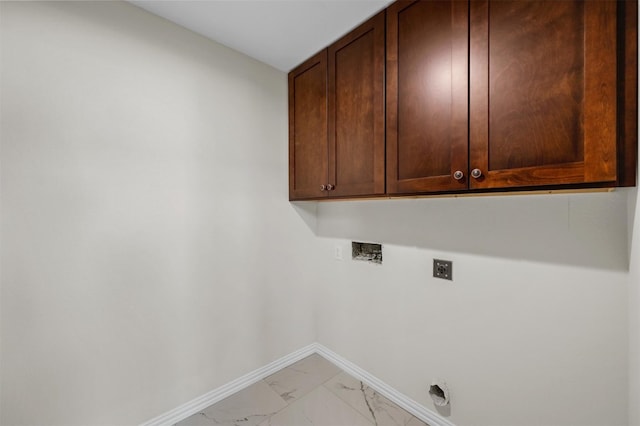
(443, 269)
(337, 252)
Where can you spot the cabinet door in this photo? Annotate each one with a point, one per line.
(356, 111)
(543, 92)
(308, 129)
(427, 96)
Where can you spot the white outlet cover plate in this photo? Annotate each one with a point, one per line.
(337, 252)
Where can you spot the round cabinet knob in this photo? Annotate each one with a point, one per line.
(458, 175)
(330, 187)
(323, 187)
(476, 173)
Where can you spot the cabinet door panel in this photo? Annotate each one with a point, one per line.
(308, 128)
(543, 92)
(427, 49)
(356, 111)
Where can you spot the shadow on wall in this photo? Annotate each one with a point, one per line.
(632, 205)
(586, 230)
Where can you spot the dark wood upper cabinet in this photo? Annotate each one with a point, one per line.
(543, 92)
(308, 128)
(356, 111)
(427, 96)
(470, 96)
(336, 133)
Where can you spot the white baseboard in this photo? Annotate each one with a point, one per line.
(198, 404)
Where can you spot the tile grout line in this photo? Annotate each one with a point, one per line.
(339, 396)
(286, 404)
(321, 385)
(290, 403)
(374, 393)
(311, 390)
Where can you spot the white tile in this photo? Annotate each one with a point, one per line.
(298, 379)
(379, 410)
(247, 407)
(318, 408)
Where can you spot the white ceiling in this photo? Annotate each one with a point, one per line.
(281, 33)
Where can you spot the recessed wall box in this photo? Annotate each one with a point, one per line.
(368, 252)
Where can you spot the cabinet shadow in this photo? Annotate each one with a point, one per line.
(587, 230)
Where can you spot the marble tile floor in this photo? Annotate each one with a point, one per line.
(311, 392)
